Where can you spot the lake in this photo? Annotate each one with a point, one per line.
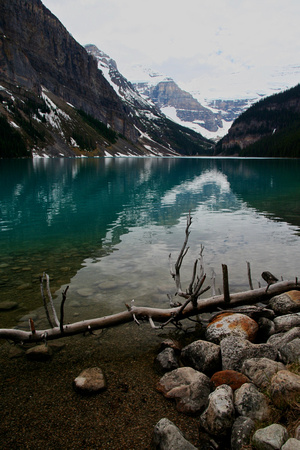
(106, 227)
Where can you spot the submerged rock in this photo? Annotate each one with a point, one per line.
(8, 306)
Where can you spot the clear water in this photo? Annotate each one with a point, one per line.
(106, 227)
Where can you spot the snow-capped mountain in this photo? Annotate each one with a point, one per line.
(210, 105)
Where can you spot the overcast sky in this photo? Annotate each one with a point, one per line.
(189, 39)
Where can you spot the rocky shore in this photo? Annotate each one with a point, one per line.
(233, 383)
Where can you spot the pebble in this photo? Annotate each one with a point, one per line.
(90, 381)
(8, 306)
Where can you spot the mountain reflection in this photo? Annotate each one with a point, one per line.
(75, 200)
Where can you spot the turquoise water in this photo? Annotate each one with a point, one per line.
(106, 227)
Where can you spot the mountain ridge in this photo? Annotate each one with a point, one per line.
(44, 72)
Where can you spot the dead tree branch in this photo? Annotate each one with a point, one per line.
(157, 314)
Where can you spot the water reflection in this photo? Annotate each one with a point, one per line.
(124, 216)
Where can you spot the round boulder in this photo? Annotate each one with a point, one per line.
(231, 324)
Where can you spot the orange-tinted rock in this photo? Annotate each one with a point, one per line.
(227, 324)
(233, 378)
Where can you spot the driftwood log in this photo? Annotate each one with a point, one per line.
(192, 305)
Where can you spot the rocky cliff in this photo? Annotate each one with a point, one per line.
(54, 95)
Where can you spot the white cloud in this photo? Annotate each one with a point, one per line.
(187, 39)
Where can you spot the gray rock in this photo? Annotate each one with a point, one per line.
(291, 444)
(261, 370)
(8, 306)
(290, 353)
(203, 356)
(241, 433)
(272, 437)
(234, 351)
(39, 353)
(286, 303)
(297, 432)
(249, 402)
(231, 324)
(219, 416)
(167, 436)
(266, 328)
(166, 360)
(188, 387)
(90, 381)
(285, 323)
(280, 339)
(285, 388)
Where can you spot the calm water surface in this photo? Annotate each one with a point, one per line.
(106, 227)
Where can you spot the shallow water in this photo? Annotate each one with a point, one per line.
(106, 227)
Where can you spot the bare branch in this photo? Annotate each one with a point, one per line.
(51, 299)
(225, 283)
(64, 297)
(156, 314)
(44, 301)
(249, 275)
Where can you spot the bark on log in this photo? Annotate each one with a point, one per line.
(145, 313)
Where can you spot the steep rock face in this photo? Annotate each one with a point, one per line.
(57, 101)
(36, 50)
(188, 109)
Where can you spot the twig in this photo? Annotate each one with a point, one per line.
(44, 302)
(213, 278)
(64, 297)
(51, 300)
(249, 275)
(225, 283)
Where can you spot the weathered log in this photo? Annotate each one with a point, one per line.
(150, 314)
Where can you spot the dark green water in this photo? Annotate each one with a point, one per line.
(106, 226)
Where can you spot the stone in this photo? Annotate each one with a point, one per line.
(166, 360)
(290, 353)
(188, 387)
(285, 388)
(234, 351)
(291, 444)
(286, 303)
(285, 323)
(167, 436)
(203, 356)
(261, 370)
(241, 433)
(281, 339)
(85, 292)
(266, 328)
(232, 378)
(175, 345)
(90, 381)
(8, 306)
(231, 324)
(219, 416)
(272, 437)
(39, 353)
(249, 402)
